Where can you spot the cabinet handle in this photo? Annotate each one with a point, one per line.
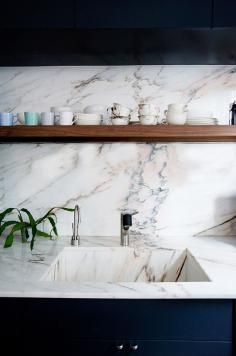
(119, 347)
(134, 347)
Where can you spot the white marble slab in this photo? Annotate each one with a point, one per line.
(22, 273)
(179, 189)
(39, 88)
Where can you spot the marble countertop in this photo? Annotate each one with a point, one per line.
(21, 271)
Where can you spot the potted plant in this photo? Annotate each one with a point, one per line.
(27, 225)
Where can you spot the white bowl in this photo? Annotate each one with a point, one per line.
(148, 120)
(120, 121)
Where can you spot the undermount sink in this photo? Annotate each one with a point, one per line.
(119, 264)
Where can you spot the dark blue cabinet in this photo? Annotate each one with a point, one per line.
(224, 13)
(74, 327)
(32, 14)
(143, 14)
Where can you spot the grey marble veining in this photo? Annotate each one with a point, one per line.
(39, 88)
(179, 189)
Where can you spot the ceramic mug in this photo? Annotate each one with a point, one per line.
(31, 118)
(47, 118)
(57, 109)
(148, 109)
(66, 118)
(118, 110)
(7, 119)
(176, 114)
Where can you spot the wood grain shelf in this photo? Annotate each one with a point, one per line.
(131, 133)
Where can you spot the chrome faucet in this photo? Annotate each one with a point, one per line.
(75, 239)
(125, 223)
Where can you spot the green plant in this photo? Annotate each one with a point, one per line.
(26, 223)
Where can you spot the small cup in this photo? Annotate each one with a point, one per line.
(31, 118)
(7, 119)
(47, 118)
(65, 118)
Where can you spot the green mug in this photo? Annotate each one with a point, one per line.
(31, 118)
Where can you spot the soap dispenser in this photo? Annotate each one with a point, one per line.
(125, 224)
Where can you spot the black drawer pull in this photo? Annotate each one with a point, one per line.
(134, 347)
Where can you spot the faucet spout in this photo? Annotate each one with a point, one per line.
(75, 240)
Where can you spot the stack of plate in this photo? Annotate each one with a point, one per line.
(199, 121)
(200, 118)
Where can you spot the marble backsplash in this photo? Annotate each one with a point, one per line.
(39, 88)
(178, 188)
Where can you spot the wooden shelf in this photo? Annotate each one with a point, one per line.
(135, 133)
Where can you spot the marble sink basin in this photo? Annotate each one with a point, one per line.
(124, 264)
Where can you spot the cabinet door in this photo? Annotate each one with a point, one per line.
(147, 348)
(143, 14)
(224, 13)
(37, 14)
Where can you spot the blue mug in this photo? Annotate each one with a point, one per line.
(31, 118)
(7, 119)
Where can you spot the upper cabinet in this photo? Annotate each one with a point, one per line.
(37, 14)
(143, 13)
(224, 13)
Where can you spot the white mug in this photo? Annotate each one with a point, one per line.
(176, 114)
(148, 109)
(65, 118)
(47, 118)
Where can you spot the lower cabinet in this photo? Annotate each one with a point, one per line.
(95, 327)
(147, 348)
